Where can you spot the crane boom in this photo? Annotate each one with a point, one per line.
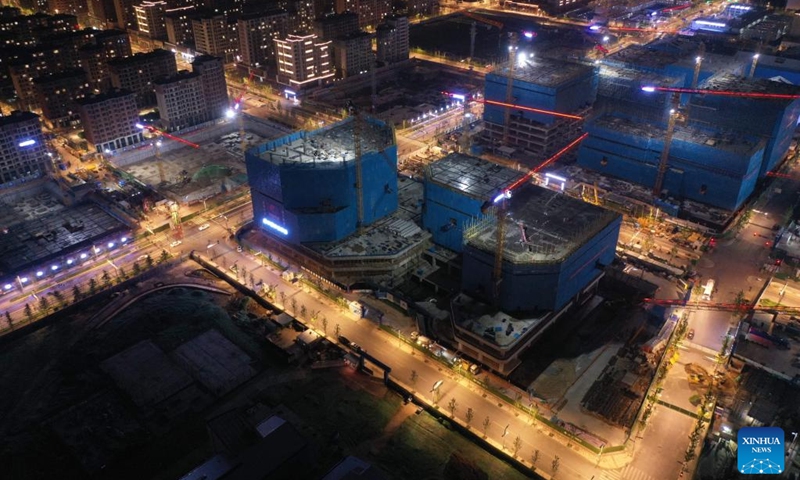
(664, 160)
(724, 93)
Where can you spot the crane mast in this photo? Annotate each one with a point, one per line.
(512, 60)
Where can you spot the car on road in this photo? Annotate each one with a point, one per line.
(690, 335)
(203, 226)
(142, 257)
(344, 340)
(175, 243)
(357, 348)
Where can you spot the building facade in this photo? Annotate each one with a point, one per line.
(215, 88)
(303, 185)
(216, 35)
(137, 73)
(353, 55)
(57, 93)
(23, 153)
(109, 120)
(181, 103)
(303, 60)
(257, 32)
(335, 25)
(392, 39)
(178, 23)
(150, 19)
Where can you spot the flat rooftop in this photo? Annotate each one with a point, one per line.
(491, 325)
(389, 236)
(330, 145)
(728, 142)
(43, 238)
(547, 72)
(728, 81)
(616, 81)
(675, 51)
(472, 176)
(542, 226)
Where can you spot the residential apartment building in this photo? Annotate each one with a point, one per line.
(304, 60)
(335, 25)
(126, 15)
(57, 93)
(109, 120)
(216, 35)
(256, 34)
(108, 45)
(150, 19)
(370, 12)
(392, 39)
(353, 54)
(23, 153)
(35, 62)
(178, 23)
(181, 103)
(137, 73)
(215, 89)
(102, 14)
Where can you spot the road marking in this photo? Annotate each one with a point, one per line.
(628, 473)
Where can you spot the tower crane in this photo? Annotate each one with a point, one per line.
(501, 200)
(236, 109)
(357, 127)
(512, 63)
(160, 133)
(473, 32)
(675, 115)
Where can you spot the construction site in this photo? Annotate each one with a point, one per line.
(199, 164)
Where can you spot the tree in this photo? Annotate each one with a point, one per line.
(436, 395)
(452, 405)
(137, 269)
(283, 299)
(516, 446)
(252, 280)
(106, 278)
(535, 457)
(294, 305)
(325, 324)
(122, 275)
(59, 298)
(148, 260)
(92, 286)
(164, 256)
(469, 416)
(29, 312)
(44, 304)
(336, 331)
(9, 320)
(486, 422)
(556, 464)
(76, 293)
(414, 377)
(303, 311)
(243, 272)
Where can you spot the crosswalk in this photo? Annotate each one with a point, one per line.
(628, 473)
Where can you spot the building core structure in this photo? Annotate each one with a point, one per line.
(554, 252)
(539, 83)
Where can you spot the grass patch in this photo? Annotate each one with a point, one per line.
(330, 406)
(421, 448)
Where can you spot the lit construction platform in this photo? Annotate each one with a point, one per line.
(385, 251)
(542, 226)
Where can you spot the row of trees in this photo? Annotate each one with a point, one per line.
(55, 300)
(469, 416)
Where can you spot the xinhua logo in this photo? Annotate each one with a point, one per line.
(761, 450)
